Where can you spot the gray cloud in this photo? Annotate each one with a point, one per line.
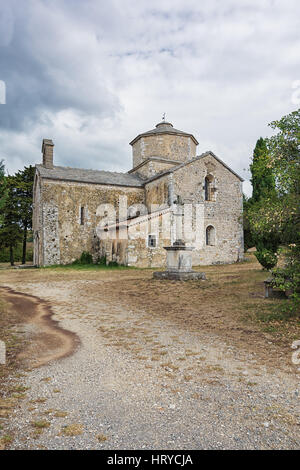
(44, 72)
(91, 75)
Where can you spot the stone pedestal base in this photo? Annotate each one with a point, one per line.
(179, 264)
(270, 292)
(25, 266)
(179, 275)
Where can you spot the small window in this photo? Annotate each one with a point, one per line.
(82, 216)
(210, 235)
(152, 241)
(208, 188)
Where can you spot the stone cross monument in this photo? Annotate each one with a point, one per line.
(179, 264)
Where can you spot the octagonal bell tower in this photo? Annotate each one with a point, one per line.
(162, 144)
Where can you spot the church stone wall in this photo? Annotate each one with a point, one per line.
(224, 212)
(134, 250)
(66, 213)
(139, 254)
(51, 234)
(64, 237)
(157, 192)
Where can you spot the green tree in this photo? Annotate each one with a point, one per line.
(10, 230)
(24, 193)
(279, 214)
(262, 176)
(3, 189)
(284, 148)
(263, 183)
(248, 237)
(279, 211)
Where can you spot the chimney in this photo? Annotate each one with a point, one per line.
(47, 151)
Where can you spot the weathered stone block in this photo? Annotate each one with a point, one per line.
(179, 276)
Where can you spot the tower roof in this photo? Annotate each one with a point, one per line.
(164, 128)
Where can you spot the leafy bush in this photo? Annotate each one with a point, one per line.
(113, 264)
(85, 258)
(266, 258)
(287, 279)
(101, 260)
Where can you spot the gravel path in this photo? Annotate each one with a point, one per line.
(140, 383)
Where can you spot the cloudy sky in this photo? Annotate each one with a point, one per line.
(93, 74)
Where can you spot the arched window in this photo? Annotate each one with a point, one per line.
(208, 185)
(210, 235)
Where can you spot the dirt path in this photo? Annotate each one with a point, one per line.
(47, 341)
(140, 379)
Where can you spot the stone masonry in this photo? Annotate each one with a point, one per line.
(130, 217)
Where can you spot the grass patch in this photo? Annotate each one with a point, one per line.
(40, 424)
(274, 320)
(7, 403)
(73, 429)
(19, 388)
(10, 371)
(169, 365)
(13, 342)
(5, 440)
(187, 378)
(273, 317)
(88, 267)
(6, 407)
(37, 433)
(38, 400)
(101, 438)
(60, 414)
(274, 313)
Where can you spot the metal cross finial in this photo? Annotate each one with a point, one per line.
(164, 117)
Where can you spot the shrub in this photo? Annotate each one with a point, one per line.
(85, 258)
(113, 264)
(266, 258)
(101, 260)
(287, 278)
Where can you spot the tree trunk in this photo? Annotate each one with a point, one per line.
(11, 255)
(24, 245)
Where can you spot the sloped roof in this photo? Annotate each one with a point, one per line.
(177, 167)
(164, 128)
(90, 176)
(64, 173)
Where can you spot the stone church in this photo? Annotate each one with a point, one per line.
(170, 193)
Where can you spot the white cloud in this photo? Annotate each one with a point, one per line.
(91, 75)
